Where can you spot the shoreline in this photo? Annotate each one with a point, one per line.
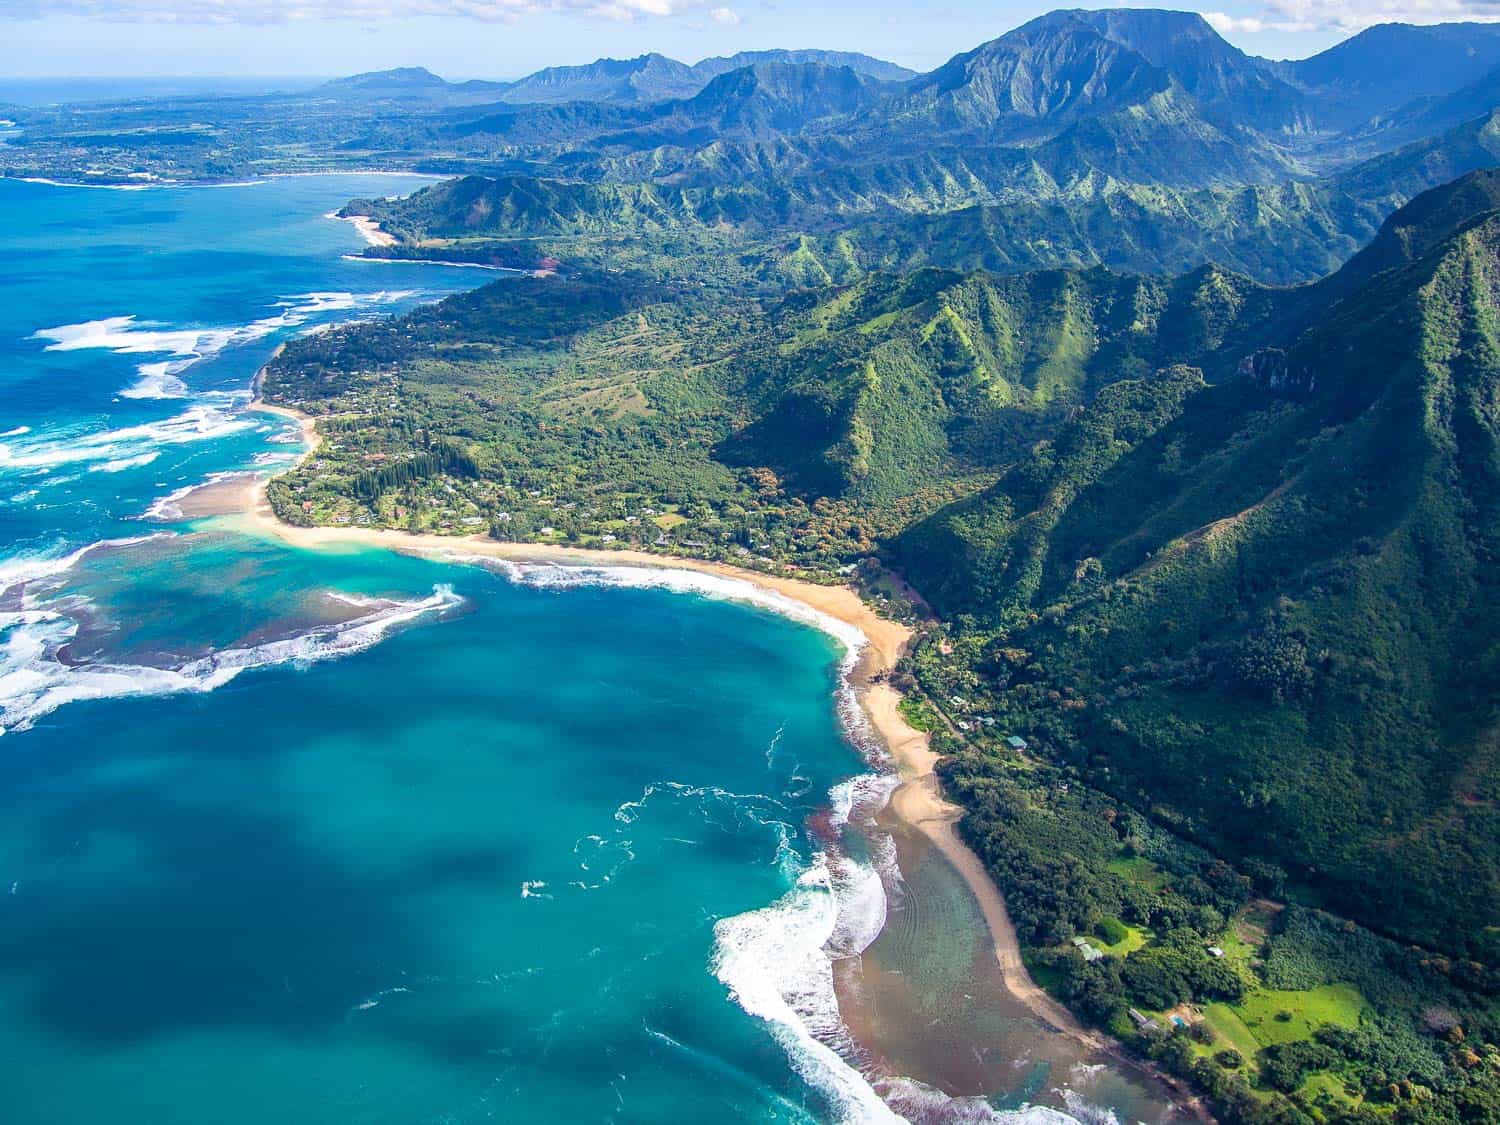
(368, 229)
(917, 801)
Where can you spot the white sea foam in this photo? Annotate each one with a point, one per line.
(127, 335)
(99, 187)
(157, 380)
(856, 801)
(17, 432)
(121, 464)
(153, 185)
(33, 683)
(433, 262)
(919, 1102)
(1085, 1111)
(775, 965)
(718, 587)
(203, 421)
(33, 567)
(165, 508)
(168, 508)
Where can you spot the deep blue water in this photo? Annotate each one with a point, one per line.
(349, 836)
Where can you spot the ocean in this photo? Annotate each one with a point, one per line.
(352, 836)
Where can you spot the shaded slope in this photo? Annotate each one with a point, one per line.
(1276, 592)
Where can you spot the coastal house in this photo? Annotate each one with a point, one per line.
(1215, 951)
(1015, 742)
(1088, 951)
(1143, 1022)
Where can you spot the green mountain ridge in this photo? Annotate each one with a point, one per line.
(1002, 210)
(1289, 566)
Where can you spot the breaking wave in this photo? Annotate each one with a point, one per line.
(34, 681)
(775, 963)
(17, 572)
(126, 335)
(204, 421)
(920, 1103)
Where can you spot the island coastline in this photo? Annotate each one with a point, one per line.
(917, 801)
(368, 229)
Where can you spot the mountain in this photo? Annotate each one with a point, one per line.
(1387, 67)
(898, 382)
(1050, 72)
(403, 78)
(878, 69)
(413, 83)
(1086, 84)
(1273, 592)
(1003, 209)
(1424, 223)
(647, 78)
(771, 98)
(1224, 80)
(1428, 116)
(656, 78)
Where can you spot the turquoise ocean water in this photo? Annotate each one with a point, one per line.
(353, 837)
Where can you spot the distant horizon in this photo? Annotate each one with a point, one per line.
(164, 40)
(270, 82)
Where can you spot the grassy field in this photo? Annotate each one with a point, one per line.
(1140, 870)
(1136, 937)
(1328, 1089)
(1281, 1017)
(1230, 1031)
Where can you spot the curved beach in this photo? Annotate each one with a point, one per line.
(918, 801)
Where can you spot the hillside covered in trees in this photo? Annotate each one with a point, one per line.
(1221, 552)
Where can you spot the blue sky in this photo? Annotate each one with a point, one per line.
(507, 38)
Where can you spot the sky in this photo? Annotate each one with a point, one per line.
(509, 38)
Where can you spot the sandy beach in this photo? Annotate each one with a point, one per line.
(368, 228)
(918, 801)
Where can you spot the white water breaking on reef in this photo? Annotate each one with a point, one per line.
(47, 450)
(35, 681)
(128, 335)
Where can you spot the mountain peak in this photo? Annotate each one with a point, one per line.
(402, 77)
(860, 64)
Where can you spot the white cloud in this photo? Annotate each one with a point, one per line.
(1352, 15)
(727, 16)
(285, 11)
